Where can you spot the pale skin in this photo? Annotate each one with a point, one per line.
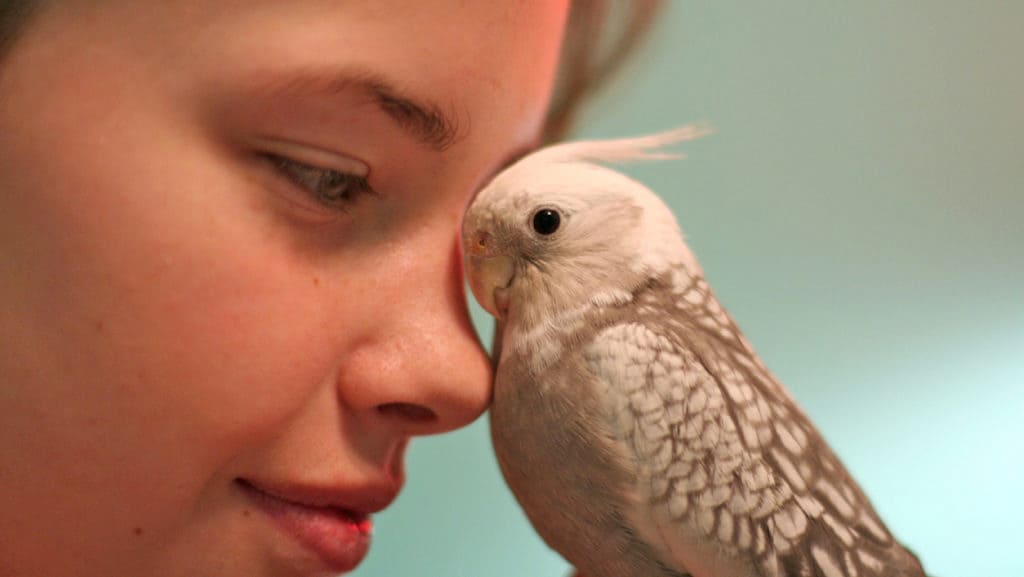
(178, 311)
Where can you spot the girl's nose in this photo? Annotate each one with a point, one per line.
(420, 367)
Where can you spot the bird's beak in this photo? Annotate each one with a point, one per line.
(490, 273)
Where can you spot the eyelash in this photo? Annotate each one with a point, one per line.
(322, 184)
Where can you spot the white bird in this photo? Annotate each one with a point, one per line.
(634, 423)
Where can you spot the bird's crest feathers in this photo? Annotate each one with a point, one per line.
(623, 150)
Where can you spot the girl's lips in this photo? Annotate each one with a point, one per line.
(339, 536)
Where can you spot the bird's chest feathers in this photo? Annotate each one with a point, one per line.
(552, 420)
(545, 386)
(557, 451)
(545, 390)
(542, 331)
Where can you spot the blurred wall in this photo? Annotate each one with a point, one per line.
(859, 212)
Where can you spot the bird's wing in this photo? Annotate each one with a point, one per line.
(727, 460)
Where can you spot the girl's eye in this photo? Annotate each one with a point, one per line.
(330, 188)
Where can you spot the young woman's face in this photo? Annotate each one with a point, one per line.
(229, 269)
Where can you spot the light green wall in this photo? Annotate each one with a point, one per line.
(859, 212)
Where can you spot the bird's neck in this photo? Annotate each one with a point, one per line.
(551, 313)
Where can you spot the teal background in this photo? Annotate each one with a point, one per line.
(859, 212)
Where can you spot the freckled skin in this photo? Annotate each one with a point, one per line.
(179, 314)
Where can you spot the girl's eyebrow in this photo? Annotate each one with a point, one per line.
(422, 119)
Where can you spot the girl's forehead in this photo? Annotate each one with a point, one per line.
(445, 70)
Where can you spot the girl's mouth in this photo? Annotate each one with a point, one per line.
(339, 536)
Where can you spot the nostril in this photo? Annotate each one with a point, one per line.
(408, 412)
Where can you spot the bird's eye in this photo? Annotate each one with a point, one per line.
(546, 221)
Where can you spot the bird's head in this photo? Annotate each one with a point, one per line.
(557, 229)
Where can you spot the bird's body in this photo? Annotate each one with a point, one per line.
(632, 420)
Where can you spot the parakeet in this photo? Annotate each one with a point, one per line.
(632, 420)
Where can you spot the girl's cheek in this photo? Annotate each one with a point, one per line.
(186, 309)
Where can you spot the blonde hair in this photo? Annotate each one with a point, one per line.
(600, 36)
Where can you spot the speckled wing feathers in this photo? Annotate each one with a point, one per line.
(726, 457)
